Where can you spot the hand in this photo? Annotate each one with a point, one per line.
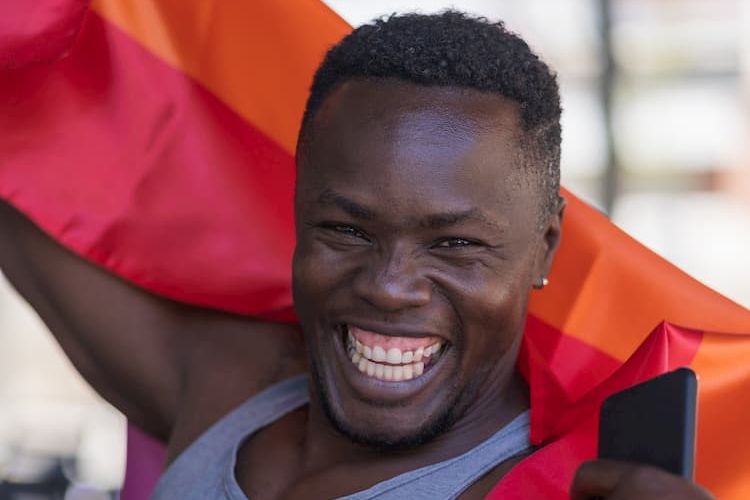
(613, 480)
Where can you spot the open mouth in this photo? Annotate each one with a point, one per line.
(391, 358)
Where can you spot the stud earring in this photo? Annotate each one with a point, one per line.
(541, 283)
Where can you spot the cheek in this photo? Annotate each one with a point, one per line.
(306, 278)
(492, 307)
(316, 271)
(500, 317)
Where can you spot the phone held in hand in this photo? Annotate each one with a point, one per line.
(652, 423)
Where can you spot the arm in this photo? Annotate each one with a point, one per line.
(148, 356)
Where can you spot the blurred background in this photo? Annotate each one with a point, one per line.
(656, 97)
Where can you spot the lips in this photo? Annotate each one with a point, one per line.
(390, 358)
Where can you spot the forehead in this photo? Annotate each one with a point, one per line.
(361, 107)
(399, 142)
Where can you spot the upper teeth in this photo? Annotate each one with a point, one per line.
(394, 355)
(401, 365)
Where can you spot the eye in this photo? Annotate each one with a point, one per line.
(347, 230)
(456, 243)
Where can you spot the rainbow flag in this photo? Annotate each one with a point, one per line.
(155, 139)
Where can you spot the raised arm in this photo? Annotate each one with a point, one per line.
(150, 357)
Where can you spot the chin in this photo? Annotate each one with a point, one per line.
(382, 426)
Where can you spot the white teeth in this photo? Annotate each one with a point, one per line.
(401, 366)
(418, 354)
(418, 369)
(393, 373)
(394, 356)
(432, 349)
(387, 372)
(378, 354)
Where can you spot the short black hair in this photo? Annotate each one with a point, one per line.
(453, 49)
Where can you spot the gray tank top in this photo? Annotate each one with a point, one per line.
(205, 470)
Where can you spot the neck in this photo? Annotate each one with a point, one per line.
(326, 447)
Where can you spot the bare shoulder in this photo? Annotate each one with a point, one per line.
(228, 359)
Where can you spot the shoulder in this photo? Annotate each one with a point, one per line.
(228, 360)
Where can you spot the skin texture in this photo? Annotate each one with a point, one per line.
(412, 219)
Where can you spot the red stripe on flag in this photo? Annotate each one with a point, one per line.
(548, 473)
(256, 56)
(38, 32)
(568, 380)
(146, 143)
(566, 356)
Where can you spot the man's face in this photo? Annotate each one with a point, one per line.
(417, 243)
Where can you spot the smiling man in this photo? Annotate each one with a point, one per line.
(427, 208)
(419, 238)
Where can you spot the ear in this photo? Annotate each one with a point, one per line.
(551, 236)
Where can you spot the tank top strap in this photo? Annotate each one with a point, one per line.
(450, 478)
(212, 448)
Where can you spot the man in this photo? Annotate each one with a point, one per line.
(427, 208)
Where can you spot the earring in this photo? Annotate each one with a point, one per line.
(541, 283)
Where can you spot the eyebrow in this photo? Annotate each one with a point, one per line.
(351, 207)
(448, 219)
(433, 221)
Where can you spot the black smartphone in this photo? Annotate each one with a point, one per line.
(653, 423)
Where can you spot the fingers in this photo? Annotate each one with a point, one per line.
(598, 478)
(612, 480)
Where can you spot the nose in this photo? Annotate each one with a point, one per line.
(392, 283)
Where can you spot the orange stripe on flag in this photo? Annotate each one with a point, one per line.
(257, 57)
(723, 441)
(610, 291)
